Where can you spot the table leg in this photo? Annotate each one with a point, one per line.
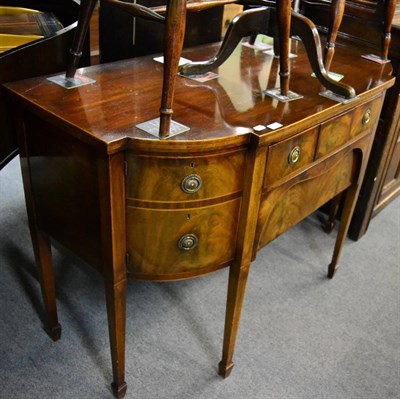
(116, 312)
(348, 208)
(239, 270)
(42, 249)
(41, 244)
(236, 290)
(112, 196)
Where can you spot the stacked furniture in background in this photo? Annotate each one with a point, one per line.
(366, 24)
(39, 57)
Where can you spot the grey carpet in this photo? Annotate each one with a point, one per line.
(302, 336)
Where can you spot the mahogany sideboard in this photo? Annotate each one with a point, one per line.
(134, 206)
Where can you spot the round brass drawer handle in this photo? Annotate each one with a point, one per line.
(367, 117)
(188, 242)
(191, 184)
(294, 155)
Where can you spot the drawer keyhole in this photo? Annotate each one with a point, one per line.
(188, 242)
(294, 155)
(191, 184)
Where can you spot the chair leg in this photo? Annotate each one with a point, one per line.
(388, 14)
(336, 12)
(252, 20)
(258, 20)
(253, 38)
(284, 19)
(306, 30)
(173, 42)
(86, 11)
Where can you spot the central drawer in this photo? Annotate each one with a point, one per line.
(290, 155)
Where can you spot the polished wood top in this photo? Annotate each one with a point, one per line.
(128, 92)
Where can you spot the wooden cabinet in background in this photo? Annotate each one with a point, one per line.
(382, 179)
(39, 57)
(381, 184)
(122, 36)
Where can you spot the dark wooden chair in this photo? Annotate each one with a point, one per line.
(40, 57)
(174, 20)
(368, 21)
(252, 21)
(263, 20)
(365, 22)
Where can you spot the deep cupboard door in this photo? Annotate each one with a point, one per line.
(285, 204)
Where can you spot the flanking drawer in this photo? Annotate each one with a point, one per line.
(340, 130)
(172, 244)
(334, 134)
(366, 116)
(168, 179)
(290, 155)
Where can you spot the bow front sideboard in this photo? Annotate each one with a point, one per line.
(250, 167)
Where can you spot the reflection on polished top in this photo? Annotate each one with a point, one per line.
(128, 92)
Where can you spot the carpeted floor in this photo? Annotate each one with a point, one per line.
(302, 336)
